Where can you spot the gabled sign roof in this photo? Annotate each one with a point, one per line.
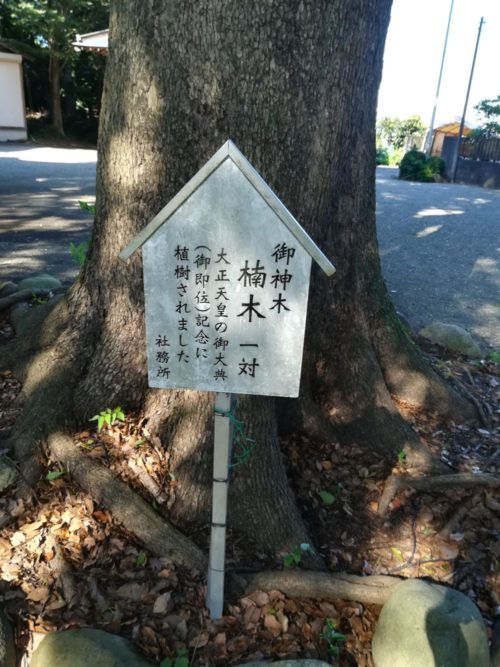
(230, 152)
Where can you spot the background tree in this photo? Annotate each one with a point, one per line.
(295, 86)
(47, 28)
(400, 133)
(490, 112)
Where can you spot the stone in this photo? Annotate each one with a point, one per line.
(7, 647)
(426, 625)
(39, 281)
(7, 288)
(18, 315)
(452, 337)
(495, 643)
(8, 476)
(85, 647)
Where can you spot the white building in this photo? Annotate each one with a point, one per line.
(12, 106)
(94, 41)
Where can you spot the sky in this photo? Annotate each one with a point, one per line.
(413, 53)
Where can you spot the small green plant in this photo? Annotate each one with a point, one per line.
(332, 637)
(55, 474)
(85, 206)
(37, 300)
(294, 558)
(78, 252)
(494, 357)
(329, 498)
(108, 416)
(402, 459)
(141, 559)
(180, 660)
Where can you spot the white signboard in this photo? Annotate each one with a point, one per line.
(226, 286)
(226, 279)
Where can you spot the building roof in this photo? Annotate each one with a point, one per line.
(452, 129)
(95, 41)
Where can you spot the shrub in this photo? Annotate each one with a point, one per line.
(382, 156)
(436, 165)
(412, 165)
(416, 167)
(395, 156)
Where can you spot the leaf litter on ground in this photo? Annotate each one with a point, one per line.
(65, 562)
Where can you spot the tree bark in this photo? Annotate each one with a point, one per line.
(294, 85)
(55, 67)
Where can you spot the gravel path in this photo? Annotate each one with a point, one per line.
(440, 251)
(39, 212)
(439, 243)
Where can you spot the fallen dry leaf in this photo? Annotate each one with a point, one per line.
(38, 594)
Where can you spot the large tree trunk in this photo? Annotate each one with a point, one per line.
(55, 67)
(294, 84)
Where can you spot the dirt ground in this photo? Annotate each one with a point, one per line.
(65, 562)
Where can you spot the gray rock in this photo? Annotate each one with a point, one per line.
(7, 648)
(18, 316)
(39, 281)
(426, 625)
(7, 288)
(452, 337)
(85, 648)
(495, 643)
(8, 476)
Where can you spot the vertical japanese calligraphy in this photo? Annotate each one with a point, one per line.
(226, 289)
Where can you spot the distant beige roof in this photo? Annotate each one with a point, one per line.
(452, 129)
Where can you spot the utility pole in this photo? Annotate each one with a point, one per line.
(428, 141)
(462, 122)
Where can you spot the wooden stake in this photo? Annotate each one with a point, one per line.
(222, 454)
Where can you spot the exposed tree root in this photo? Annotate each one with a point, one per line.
(27, 295)
(133, 512)
(431, 484)
(327, 586)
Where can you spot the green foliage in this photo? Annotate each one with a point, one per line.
(55, 474)
(108, 416)
(395, 156)
(416, 167)
(37, 300)
(382, 156)
(294, 558)
(141, 559)
(181, 659)
(400, 133)
(45, 29)
(437, 165)
(85, 206)
(412, 166)
(78, 252)
(332, 637)
(494, 357)
(329, 498)
(490, 112)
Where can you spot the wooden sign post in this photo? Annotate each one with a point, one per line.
(226, 282)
